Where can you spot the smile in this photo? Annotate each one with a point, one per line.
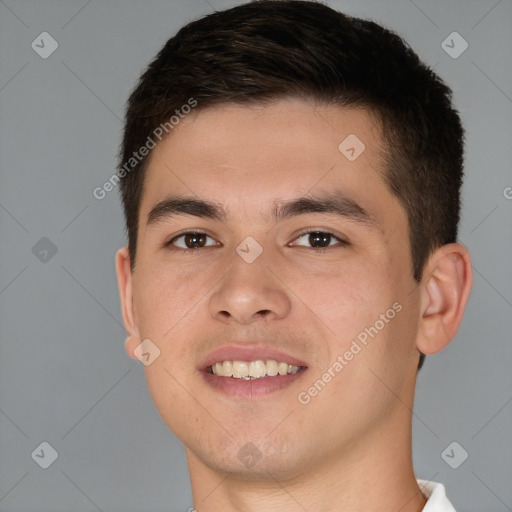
(252, 370)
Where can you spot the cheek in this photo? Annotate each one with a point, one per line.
(162, 295)
(350, 296)
(166, 302)
(365, 306)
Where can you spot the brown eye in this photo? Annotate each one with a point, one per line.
(319, 240)
(192, 240)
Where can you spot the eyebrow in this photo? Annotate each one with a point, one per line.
(333, 203)
(179, 205)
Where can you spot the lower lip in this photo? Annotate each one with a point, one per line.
(255, 388)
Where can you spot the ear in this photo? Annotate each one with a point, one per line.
(125, 283)
(444, 292)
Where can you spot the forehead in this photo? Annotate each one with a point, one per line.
(249, 157)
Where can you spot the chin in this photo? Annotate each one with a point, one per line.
(246, 460)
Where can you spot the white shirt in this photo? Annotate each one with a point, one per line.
(436, 497)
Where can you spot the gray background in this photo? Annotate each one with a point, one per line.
(64, 377)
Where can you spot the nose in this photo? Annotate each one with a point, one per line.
(248, 293)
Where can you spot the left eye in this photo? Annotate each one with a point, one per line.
(319, 239)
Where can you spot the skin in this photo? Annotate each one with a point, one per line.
(349, 448)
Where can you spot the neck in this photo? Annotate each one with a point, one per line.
(373, 473)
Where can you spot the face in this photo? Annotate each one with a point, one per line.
(269, 243)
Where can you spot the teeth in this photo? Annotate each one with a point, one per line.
(240, 369)
(272, 368)
(257, 369)
(282, 368)
(252, 369)
(227, 369)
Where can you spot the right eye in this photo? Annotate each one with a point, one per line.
(191, 240)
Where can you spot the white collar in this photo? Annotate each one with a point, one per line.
(436, 496)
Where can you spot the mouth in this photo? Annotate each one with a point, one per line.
(248, 373)
(252, 370)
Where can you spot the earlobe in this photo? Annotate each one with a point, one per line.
(125, 284)
(130, 344)
(444, 293)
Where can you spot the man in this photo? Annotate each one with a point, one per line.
(290, 178)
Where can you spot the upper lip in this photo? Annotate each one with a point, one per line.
(252, 353)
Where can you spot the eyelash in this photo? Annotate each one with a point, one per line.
(341, 241)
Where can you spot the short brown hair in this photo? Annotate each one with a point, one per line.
(266, 50)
